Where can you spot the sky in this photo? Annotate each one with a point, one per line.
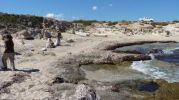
(102, 10)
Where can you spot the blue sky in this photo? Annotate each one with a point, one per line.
(109, 10)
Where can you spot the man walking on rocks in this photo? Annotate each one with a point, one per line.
(9, 51)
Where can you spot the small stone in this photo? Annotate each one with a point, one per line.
(115, 88)
(44, 49)
(70, 41)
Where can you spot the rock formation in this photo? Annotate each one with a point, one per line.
(84, 92)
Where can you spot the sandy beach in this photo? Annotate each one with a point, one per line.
(89, 50)
(38, 69)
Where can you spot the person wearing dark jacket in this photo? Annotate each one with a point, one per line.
(9, 51)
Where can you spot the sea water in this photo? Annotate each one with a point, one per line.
(165, 66)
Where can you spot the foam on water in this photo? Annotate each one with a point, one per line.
(167, 51)
(157, 70)
(170, 51)
(152, 56)
(164, 65)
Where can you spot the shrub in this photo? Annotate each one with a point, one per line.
(112, 23)
(85, 22)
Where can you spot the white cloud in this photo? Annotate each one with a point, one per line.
(110, 5)
(51, 15)
(55, 16)
(94, 8)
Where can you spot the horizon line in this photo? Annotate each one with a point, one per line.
(87, 19)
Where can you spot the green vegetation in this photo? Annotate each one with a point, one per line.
(175, 21)
(124, 22)
(7, 19)
(85, 22)
(112, 23)
(167, 91)
(10, 20)
(154, 24)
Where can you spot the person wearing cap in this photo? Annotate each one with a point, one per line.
(9, 52)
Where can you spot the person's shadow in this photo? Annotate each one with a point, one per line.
(27, 70)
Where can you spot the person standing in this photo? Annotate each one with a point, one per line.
(58, 36)
(9, 51)
(58, 39)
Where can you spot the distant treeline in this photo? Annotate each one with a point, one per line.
(15, 23)
(176, 21)
(21, 20)
(110, 23)
(85, 22)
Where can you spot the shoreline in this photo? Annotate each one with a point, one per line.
(60, 67)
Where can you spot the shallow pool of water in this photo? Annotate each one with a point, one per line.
(148, 87)
(111, 73)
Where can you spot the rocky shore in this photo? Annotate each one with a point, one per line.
(86, 67)
(61, 73)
